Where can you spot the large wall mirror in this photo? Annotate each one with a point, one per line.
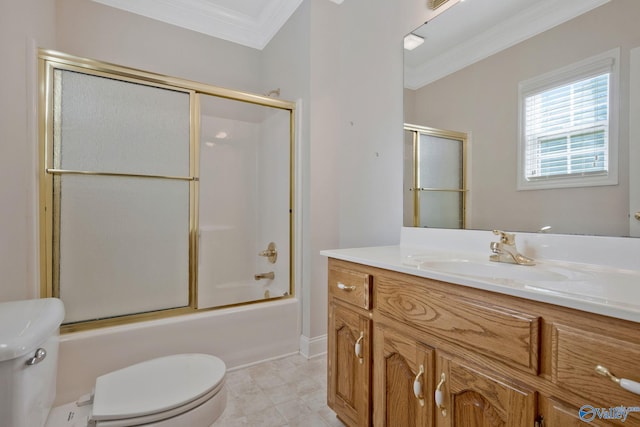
(466, 77)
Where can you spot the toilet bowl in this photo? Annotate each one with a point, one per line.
(171, 391)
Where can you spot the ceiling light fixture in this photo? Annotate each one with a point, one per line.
(412, 41)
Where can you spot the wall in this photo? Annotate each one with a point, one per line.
(482, 99)
(355, 172)
(23, 26)
(342, 62)
(286, 65)
(92, 30)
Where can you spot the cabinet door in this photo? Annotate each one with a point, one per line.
(559, 414)
(349, 365)
(475, 397)
(403, 380)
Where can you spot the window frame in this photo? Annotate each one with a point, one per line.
(606, 62)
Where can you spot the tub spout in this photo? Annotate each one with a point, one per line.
(270, 275)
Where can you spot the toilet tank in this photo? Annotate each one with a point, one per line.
(28, 360)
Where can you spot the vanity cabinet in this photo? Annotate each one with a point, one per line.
(447, 355)
(476, 397)
(560, 414)
(403, 383)
(349, 346)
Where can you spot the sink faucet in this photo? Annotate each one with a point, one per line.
(505, 250)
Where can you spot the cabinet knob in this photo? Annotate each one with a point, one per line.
(637, 215)
(632, 386)
(358, 348)
(439, 397)
(417, 386)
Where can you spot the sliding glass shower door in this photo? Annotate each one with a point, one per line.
(120, 175)
(435, 189)
(159, 196)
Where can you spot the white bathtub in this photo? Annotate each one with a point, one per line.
(238, 335)
(239, 292)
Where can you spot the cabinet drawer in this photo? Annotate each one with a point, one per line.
(350, 286)
(508, 335)
(576, 353)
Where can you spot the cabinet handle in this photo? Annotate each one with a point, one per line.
(632, 386)
(359, 348)
(417, 386)
(439, 397)
(345, 287)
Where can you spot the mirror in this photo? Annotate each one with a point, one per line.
(465, 76)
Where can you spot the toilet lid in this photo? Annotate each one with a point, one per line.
(155, 386)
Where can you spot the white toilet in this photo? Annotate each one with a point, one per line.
(172, 391)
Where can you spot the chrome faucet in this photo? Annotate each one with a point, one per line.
(505, 250)
(270, 275)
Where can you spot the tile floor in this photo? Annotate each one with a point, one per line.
(287, 392)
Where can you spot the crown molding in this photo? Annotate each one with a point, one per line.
(209, 18)
(528, 23)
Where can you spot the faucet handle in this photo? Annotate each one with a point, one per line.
(506, 238)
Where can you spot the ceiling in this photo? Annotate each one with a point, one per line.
(475, 29)
(250, 23)
(467, 31)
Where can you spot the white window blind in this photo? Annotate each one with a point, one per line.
(568, 135)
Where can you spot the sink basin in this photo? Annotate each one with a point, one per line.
(492, 270)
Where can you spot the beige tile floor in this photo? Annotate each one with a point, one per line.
(287, 392)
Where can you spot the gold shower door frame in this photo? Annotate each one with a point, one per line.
(416, 189)
(48, 61)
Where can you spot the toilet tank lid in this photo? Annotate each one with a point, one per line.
(26, 324)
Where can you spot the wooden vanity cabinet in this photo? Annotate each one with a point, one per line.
(403, 383)
(446, 355)
(349, 346)
(559, 414)
(476, 397)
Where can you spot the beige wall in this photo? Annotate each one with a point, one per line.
(482, 99)
(93, 30)
(344, 62)
(23, 26)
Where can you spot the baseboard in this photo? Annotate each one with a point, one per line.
(313, 347)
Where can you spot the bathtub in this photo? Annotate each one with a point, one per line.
(239, 335)
(239, 292)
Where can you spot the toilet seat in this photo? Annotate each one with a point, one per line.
(156, 389)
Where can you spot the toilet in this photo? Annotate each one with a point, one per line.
(171, 391)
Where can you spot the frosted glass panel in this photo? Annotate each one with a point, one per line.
(440, 162)
(124, 245)
(108, 125)
(441, 209)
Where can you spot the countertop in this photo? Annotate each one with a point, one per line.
(600, 289)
